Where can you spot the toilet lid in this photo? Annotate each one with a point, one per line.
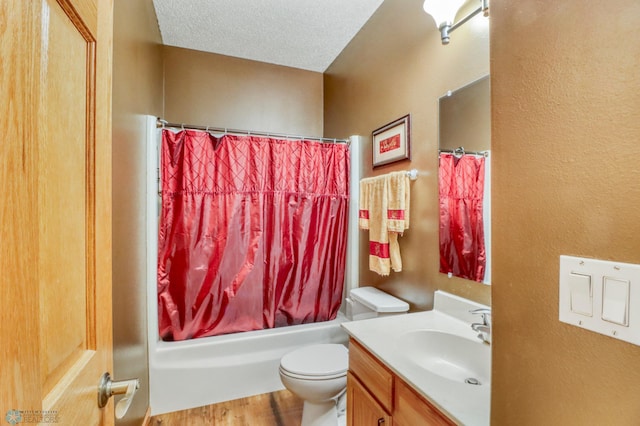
(317, 360)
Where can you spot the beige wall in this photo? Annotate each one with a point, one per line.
(137, 90)
(397, 65)
(565, 86)
(208, 89)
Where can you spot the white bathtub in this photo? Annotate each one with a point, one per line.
(205, 371)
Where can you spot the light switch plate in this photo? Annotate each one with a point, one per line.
(612, 309)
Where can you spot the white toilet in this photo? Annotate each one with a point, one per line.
(318, 373)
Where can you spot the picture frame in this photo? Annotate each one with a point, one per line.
(392, 142)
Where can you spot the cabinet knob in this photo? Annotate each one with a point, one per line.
(380, 421)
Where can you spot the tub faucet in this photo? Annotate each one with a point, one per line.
(483, 328)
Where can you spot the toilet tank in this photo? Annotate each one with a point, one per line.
(369, 302)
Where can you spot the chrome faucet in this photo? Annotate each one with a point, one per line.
(483, 328)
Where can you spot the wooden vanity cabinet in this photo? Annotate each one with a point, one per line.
(377, 397)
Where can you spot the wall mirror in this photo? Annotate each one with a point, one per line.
(464, 181)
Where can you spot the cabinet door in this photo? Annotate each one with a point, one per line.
(362, 408)
(411, 409)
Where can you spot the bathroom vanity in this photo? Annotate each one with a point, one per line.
(426, 368)
(375, 395)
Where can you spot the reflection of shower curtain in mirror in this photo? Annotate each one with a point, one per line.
(252, 233)
(461, 188)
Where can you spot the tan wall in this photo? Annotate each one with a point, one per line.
(208, 89)
(397, 65)
(137, 90)
(565, 86)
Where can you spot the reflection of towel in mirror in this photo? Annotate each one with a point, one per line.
(384, 211)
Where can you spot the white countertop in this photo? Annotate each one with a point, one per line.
(465, 404)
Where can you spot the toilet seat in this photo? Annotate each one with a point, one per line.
(311, 378)
(316, 362)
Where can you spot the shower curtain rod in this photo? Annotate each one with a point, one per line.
(460, 151)
(164, 123)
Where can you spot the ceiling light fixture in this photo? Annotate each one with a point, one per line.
(444, 12)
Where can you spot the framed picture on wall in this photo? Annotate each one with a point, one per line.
(392, 142)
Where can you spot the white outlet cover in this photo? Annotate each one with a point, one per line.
(599, 270)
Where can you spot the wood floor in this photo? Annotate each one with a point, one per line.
(270, 409)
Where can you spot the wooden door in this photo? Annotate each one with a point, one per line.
(55, 210)
(362, 408)
(412, 409)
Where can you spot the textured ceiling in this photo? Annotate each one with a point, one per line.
(306, 34)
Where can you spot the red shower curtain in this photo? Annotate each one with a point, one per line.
(252, 233)
(461, 187)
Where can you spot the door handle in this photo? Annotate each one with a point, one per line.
(107, 388)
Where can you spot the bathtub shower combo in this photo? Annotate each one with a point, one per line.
(187, 372)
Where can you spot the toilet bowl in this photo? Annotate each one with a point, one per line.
(318, 373)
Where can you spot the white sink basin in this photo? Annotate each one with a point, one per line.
(447, 355)
(435, 352)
